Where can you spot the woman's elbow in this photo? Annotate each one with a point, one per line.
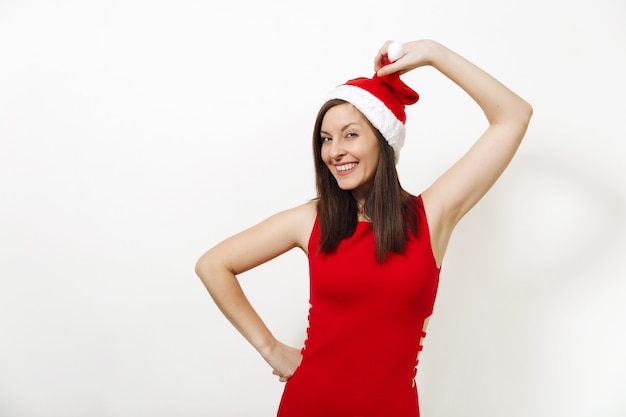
(204, 265)
(521, 118)
(200, 266)
(527, 112)
(212, 270)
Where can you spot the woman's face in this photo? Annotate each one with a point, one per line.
(349, 149)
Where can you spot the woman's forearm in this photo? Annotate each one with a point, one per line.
(224, 288)
(499, 104)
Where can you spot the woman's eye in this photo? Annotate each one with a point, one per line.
(325, 139)
(351, 135)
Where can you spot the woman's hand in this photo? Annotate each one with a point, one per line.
(416, 54)
(284, 360)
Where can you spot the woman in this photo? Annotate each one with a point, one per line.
(374, 250)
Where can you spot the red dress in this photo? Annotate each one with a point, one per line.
(365, 324)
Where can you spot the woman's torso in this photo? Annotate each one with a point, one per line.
(365, 324)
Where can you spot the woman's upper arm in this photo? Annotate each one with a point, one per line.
(458, 189)
(264, 241)
(468, 180)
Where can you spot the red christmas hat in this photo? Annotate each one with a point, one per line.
(382, 101)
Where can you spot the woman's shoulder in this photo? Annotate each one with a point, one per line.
(300, 220)
(303, 212)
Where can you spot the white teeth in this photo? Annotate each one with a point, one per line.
(346, 167)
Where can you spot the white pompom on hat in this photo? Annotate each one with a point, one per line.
(382, 101)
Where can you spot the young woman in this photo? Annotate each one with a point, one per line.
(374, 249)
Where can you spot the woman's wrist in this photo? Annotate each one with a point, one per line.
(267, 347)
(433, 52)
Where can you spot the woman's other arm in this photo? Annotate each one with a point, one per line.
(218, 269)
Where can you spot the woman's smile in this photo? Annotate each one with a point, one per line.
(346, 168)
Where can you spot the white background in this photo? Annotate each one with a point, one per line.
(136, 134)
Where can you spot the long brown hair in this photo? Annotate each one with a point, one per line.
(391, 210)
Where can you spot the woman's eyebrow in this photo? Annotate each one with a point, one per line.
(343, 129)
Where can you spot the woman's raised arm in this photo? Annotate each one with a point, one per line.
(455, 192)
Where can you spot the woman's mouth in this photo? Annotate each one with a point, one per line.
(345, 169)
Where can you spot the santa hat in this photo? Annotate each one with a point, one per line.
(382, 101)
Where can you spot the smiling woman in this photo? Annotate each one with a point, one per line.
(350, 150)
(359, 159)
(374, 249)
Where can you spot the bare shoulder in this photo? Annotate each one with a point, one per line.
(292, 227)
(301, 220)
(271, 237)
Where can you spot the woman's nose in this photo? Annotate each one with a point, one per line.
(336, 149)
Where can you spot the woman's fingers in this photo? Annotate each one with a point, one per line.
(381, 56)
(281, 378)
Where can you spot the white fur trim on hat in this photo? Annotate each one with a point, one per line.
(376, 112)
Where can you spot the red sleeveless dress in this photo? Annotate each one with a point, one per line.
(365, 324)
